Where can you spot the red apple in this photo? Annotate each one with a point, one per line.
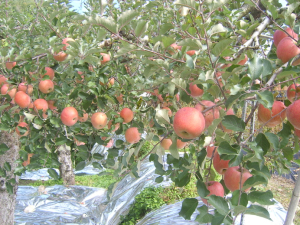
(65, 42)
(188, 123)
(209, 115)
(195, 91)
(10, 65)
(175, 46)
(232, 178)
(278, 114)
(99, 120)
(127, 115)
(3, 80)
(243, 61)
(285, 55)
(69, 116)
(40, 104)
(279, 35)
(132, 135)
(61, 56)
(220, 165)
(22, 124)
(28, 89)
(191, 52)
(50, 72)
(169, 111)
(166, 143)
(210, 149)
(22, 99)
(214, 188)
(51, 104)
(292, 114)
(291, 92)
(105, 58)
(297, 133)
(46, 86)
(83, 118)
(6, 89)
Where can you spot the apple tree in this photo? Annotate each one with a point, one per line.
(186, 74)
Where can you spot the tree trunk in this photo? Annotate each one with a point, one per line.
(66, 167)
(8, 201)
(293, 203)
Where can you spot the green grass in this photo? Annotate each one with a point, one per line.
(102, 181)
(152, 198)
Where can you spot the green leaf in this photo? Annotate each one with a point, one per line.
(3, 148)
(234, 123)
(97, 165)
(80, 166)
(2, 107)
(141, 27)
(183, 178)
(61, 140)
(111, 189)
(263, 198)
(189, 62)
(188, 207)
(221, 46)
(204, 216)
(98, 156)
(7, 166)
(201, 189)
(219, 203)
(165, 28)
(266, 98)
(159, 167)
(256, 66)
(53, 174)
(273, 140)
(288, 153)
(161, 116)
(258, 211)
(167, 41)
(238, 199)
(126, 50)
(263, 142)
(253, 181)
(126, 17)
(219, 28)
(159, 179)
(226, 148)
(107, 23)
(186, 3)
(192, 43)
(267, 68)
(173, 148)
(232, 98)
(179, 82)
(9, 188)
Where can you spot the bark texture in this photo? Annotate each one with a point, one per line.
(66, 167)
(8, 201)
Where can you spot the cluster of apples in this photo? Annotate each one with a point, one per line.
(21, 95)
(62, 55)
(178, 47)
(189, 123)
(286, 46)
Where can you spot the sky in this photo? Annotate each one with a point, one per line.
(80, 7)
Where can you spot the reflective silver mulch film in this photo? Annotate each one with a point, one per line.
(58, 205)
(169, 214)
(87, 205)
